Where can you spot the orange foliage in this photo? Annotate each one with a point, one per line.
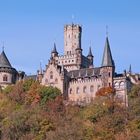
(105, 91)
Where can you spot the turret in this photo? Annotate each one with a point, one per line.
(40, 74)
(8, 74)
(108, 66)
(54, 51)
(90, 57)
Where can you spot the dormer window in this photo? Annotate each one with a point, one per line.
(5, 78)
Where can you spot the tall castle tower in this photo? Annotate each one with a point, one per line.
(108, 66)
(72, 38)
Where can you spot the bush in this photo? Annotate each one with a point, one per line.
(8, 89)
(27, 84)
(48, 93)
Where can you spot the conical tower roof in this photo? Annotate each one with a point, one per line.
(4, 62)
(54, 49)
(90, 52)
(107, 56)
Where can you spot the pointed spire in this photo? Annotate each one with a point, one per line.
(106, 30)
(107, 56)
(130, 69)
(90, 52)
(40, 71)
(54, 49)
(4, 62)
(3, 46)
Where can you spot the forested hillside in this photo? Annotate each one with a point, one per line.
(29, 111)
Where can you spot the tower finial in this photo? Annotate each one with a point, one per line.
(90, 52)
(72, 18)
(130, 69)
(106, 30)
(90, 43)
(40, 67)
(3, 46)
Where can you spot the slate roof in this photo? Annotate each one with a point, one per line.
(119, 75)
(107, 56)
(4, 62)
(86, 72)
(54, 49)
(90, 52)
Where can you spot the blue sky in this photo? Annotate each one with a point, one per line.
(29, 29)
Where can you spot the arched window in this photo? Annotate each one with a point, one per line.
(85, 89)
(77, 90)
(5, 78)
(122, 84)
(116, 85)
(51, 75)
(70, 91)
(91, 88)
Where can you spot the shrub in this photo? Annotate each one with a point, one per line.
(8, 89)
(48, 93)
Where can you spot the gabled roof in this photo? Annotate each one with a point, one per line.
(4, 62)
(107, 56)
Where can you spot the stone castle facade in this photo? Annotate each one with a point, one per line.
(73, 73)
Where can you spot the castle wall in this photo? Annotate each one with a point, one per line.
(83, 90)
(5, 82)
(122, 85)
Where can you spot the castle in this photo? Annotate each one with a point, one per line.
(73, 73)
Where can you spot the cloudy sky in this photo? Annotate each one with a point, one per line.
(29, 29)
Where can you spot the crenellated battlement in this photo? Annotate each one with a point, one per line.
(85, 80)
(72, 26)
(70, 56)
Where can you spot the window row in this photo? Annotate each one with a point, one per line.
(119, 84)
(67, 61)
(84, 89)
(75, 36)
